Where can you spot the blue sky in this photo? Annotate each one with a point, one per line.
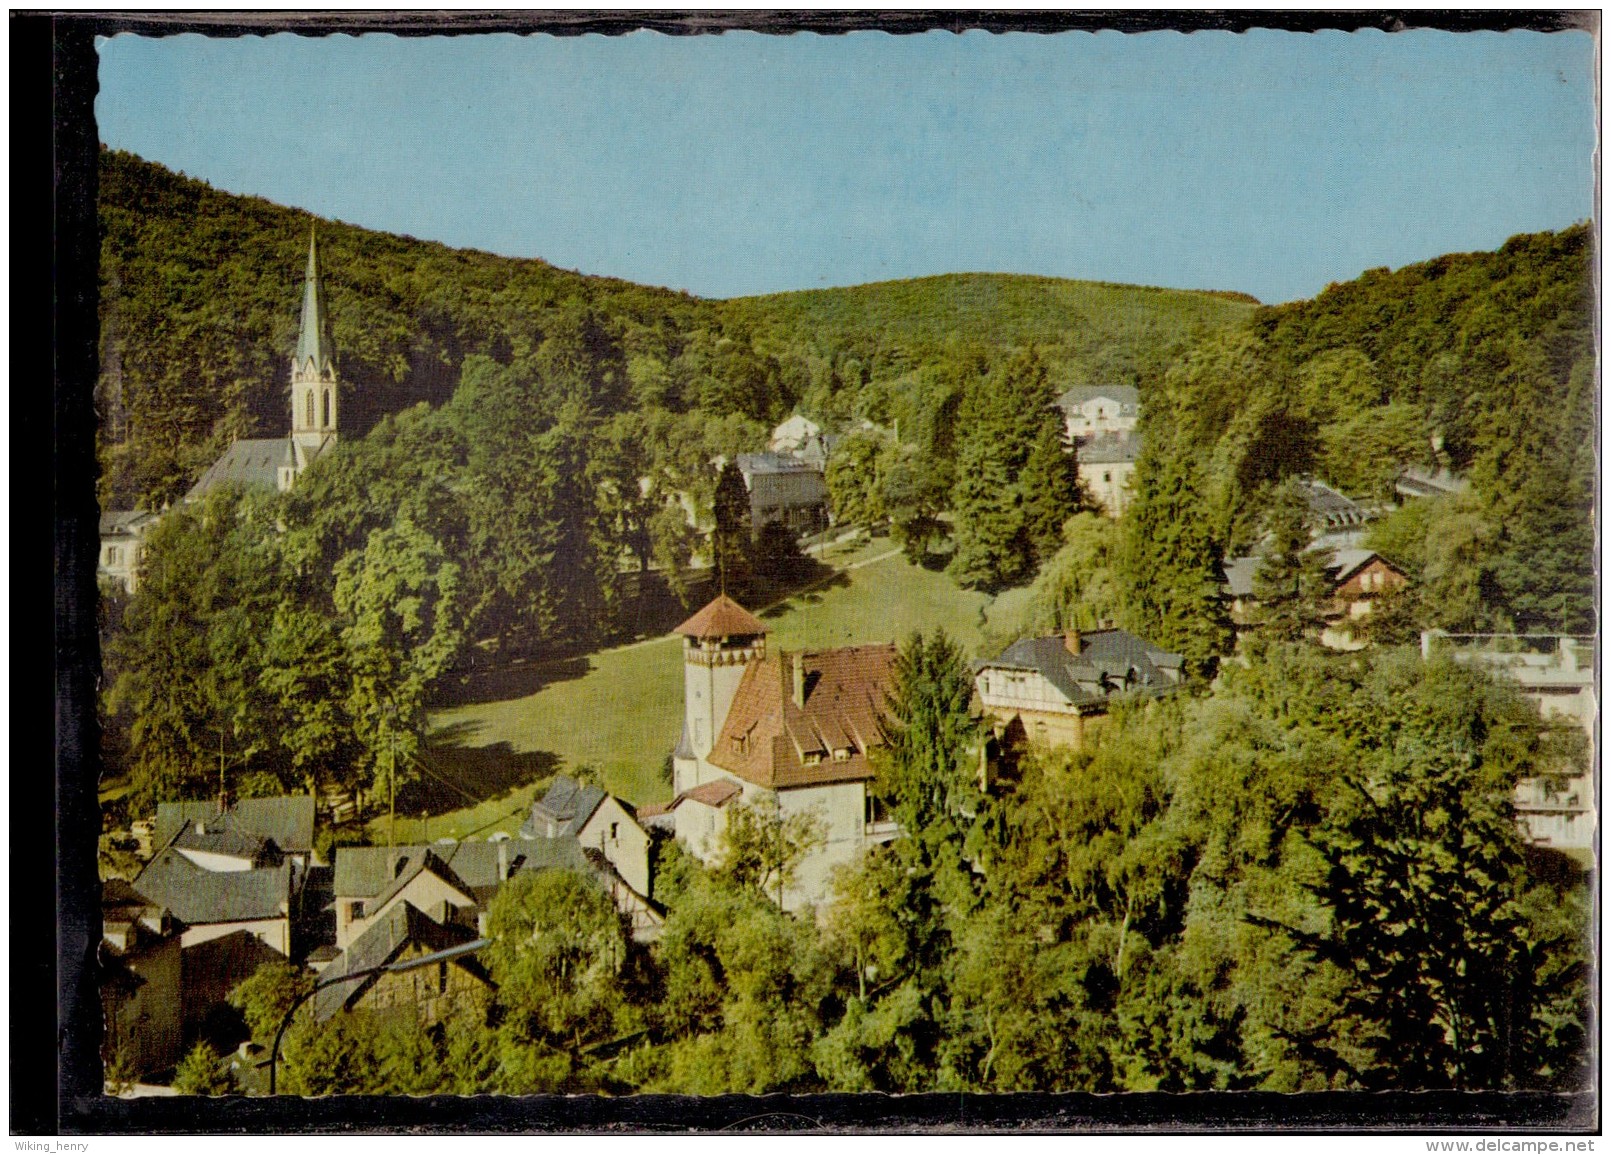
(1269, 162)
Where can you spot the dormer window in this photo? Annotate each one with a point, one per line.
(814, 758)
(842, 754)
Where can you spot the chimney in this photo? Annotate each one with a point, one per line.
(1071, 640)
(503, 860)
(799, 681)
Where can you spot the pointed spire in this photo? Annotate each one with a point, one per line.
(314, 343)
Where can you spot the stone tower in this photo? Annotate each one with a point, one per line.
(719, 642)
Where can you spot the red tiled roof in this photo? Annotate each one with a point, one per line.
(655, 811)
(710, 793)
(774, 742)
(722, 618)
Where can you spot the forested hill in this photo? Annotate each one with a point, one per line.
(1480, 363)
(1104, 331)
(199, 307)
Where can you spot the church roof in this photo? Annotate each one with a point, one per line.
(772, 740)
(253, 463)
(722, 618)
(314, 342)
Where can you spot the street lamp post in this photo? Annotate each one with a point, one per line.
(385, 968)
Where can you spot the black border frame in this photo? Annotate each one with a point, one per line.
(55, 1067)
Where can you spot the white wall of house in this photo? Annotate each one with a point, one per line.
(699, 828)
(1109, 484)
(428, 894)
(272, 932)
(1009, 690)
(625, 845)
(216, 862)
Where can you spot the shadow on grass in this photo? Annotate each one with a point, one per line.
(802, 594)
(509, 681)
(456, 777)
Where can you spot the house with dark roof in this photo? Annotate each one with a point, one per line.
(794, 730)
(210, 903)
(455, 882)
(1047, 689)
(241, 830)
(785, 489)
(427, 993)
(1357, 578)
(1331, 512)
(597, 820)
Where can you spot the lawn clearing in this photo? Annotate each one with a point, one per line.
(623, 715)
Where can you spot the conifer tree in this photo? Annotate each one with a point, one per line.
(1171, 564)
(991, 548)
(730, 541)
(1290, 579)
(1049, 489)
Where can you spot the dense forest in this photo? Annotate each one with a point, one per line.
(1302, 872)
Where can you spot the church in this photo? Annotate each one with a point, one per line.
(315, 407)
(266, 462)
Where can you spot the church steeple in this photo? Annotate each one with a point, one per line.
(314, 384)
(314, 343)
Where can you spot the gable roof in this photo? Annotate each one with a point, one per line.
(286, 820)
(381, 943)
(722, 617)
(253, 463)
(367, 871)
(771, 740)
(718, 793)
(1330, 508)
(125, 522)
(1110, 663)
(416, 865)
(230, 843)
(198, 896)
(1239, 573)
(568, 804)
(1126, 396)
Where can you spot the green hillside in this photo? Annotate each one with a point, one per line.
(200, 290)
(1095, 328)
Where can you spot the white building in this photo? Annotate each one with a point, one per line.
(790, 730)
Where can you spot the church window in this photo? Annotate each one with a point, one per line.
(327, 407)
(310, 407)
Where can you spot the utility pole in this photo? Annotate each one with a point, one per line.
(391, 785)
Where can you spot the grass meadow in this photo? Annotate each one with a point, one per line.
(619, 711)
